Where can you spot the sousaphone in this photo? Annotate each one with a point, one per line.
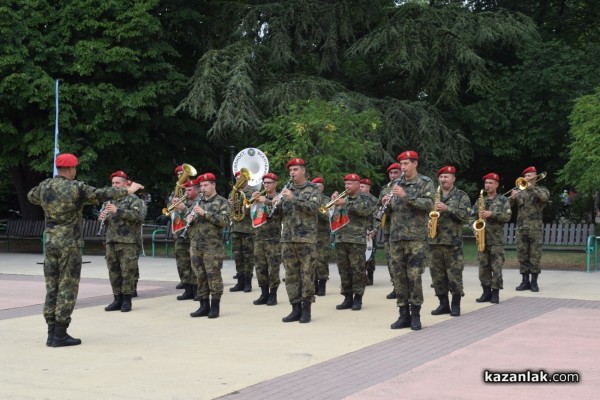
(255, 161)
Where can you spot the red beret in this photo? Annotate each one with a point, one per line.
(119, 174)
(492, 175)
(270, 175)
(393, 166)
(318, 179)
(407, 155)
(366, 181)
(208, 176)
(178, 169)
(66, 160)
(449, 169)
(529, 169)
(190, 183)
(352, 177)
(237, 173)
(295, 161)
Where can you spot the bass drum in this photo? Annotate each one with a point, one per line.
(255, 161)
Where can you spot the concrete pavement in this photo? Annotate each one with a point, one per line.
(158, 352)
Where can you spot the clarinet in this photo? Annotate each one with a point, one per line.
(101, 228)
(274, 208)
(381, 211)
(193, 215)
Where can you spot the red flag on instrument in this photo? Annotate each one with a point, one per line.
(259, 214)
(339, 219)
(177, 222)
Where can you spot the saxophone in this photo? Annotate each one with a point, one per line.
(434, 215)
(479, 225)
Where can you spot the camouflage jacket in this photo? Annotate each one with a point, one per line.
(360, 212)
(208, 230)
(125, 226)
(245, 225)
(188, 205)
(451, 221)
(300, 214)
(409, 215)
(323, 227)
(530, 204)
(62, 201)
(271, 230)
(494, 225)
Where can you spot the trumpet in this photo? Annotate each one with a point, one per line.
(434, 215)
(325, 208)
(248, 203)
(522, 183)
(479, 225)
(168, 210)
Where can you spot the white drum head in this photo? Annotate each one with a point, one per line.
(255, 161)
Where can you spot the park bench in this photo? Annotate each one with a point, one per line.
(557, 237)
(23, 229)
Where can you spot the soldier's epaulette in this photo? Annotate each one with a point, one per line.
(312, 185)
(425, 178)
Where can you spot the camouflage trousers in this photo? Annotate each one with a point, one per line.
(491, 261)
(184, 262)
(351, 265)
(299, 261)
(243, 252)
(529, 250)
(207, 263)
(267, 256)
(447, 265)
(122, 263)
(323, 253)
(408, 263)
(62, 270)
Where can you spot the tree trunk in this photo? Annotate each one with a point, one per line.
(24, 180)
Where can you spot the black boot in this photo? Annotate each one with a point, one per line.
(392, 294)
(272, 297)
(237, 275)
(295, 314)
(126, 306)
(357, 303)
(455, 306)
(248, 283)
(321, 286)
(415, 317)
(264, 296)
(195, 293)
(116, 304)
(370, 278)
(534, 285)
(346, 304)
(135, 289)
(495, 296)
(215, 308)
(444, 307)
(404, 319)
(316, 286)
(486, 295)
(239, 286)
(61, 338)
(188, 294)
(525, 285)
(50, 333)
(203, 310)
(179, 286)
(305, 316)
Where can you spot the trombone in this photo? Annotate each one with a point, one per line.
(522, 183)
(325, 208)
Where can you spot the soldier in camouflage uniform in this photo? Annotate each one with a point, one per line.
(242, 243)
(350, 242)
(123, 219)
(208, 217)
(323, 243)
(495, 214)
(299, 207)
(365, 187)
(267, 246)
(447, 259)
(62, 199)
(530, 205)
(410, 206)
(394, 173)
(182, 245)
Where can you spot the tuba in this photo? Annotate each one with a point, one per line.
(434, 215)
(179, 193)
(479, 225)
(238, 197)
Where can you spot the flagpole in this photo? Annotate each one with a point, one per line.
(56, 128)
